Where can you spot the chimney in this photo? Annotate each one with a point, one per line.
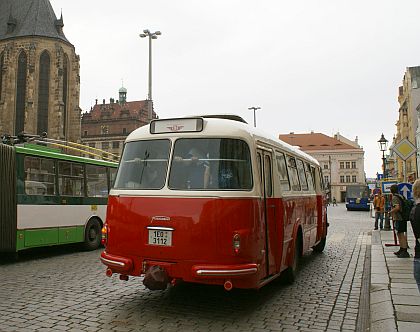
(96, 101)
(103, 101)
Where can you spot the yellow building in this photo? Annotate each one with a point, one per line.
(409, 99)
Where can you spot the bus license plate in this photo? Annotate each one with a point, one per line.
(160, 238)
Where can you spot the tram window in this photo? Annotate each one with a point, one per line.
(112, 175)
(282, 169)
(293, 173)
(143, 165)
(309, 177)
(39, 176)
(96, 181)
(70, 179)
(210, 164)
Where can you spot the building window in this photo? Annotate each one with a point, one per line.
(85, 133)
(353, 178)
(124, 131)
(105, 130)
(353, 164)
(21, 92)
(116, 145)
(105, 145)
(347, 164)
(341, 164)
(325, 166)
(348, 178)
(342, 178)
(43, 92)
(326, 180)
(1, 72)
(65, 84)
(92, 145)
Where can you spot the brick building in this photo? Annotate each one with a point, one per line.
(39, 72)
(107, 125)
(341, 160)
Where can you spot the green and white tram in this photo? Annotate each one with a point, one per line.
(50, 198)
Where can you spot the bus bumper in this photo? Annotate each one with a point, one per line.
(224, 270)
(117, 263)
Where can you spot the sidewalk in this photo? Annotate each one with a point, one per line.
(394, 297)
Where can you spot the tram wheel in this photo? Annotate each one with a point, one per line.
(291, 272)
(92, 235)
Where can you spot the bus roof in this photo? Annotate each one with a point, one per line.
(42, 151)
(223, 126)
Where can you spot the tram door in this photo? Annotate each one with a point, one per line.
(265, 163)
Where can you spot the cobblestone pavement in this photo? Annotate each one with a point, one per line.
(68, 291)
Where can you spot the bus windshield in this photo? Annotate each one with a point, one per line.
(143, 165)
(210, 164)
(357, 192)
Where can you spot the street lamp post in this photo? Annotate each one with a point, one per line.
(255, 118)
(383, 145)
(151, 35)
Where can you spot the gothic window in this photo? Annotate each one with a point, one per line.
(43, 92)
(1, 72)
(65, 85)
(21, 92)
(104, 130)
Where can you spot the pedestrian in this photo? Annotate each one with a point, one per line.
(400, 225)
(334, 202)
(415, 224)
(379, 205)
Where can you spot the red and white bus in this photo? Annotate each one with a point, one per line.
(212, 200)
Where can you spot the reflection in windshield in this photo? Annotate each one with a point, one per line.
(143, 165)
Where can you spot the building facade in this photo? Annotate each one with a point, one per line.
(341, 160)
(407, 123)
(107, 125)
(39, 72)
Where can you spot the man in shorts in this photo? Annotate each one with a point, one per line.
(400, 225)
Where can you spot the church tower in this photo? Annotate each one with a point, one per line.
(39, 72)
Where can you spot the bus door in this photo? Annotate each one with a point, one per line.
(269, 210)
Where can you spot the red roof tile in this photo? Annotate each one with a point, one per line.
(315, 141)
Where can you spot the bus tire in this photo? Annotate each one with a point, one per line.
(291, 272)
(320, 246)
(92, 235)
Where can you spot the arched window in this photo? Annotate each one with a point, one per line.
(21, 92)
(65, 85)
(43, 92)
(1, 72)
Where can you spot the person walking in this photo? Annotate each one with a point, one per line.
(415, 224)
(334, 202)
(399, 224)
(379, 205)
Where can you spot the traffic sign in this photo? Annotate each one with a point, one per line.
(380, 176)
(386, 186)
(405, 189)
(404, 149)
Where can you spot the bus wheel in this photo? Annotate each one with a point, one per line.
(92, 235)
(291, 271)
(320, 246)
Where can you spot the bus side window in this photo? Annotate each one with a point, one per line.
(309, 177)
(282, 169)
(301, 173)
(70, 179)
(96, 181)
(39, 176)
(293, 173)
(268, 176)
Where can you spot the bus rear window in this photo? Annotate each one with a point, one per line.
(143, 165)
(210, 164)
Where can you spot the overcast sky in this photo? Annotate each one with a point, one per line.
(326, 66)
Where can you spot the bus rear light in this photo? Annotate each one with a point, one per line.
(104, 236)
(236, 243)
(228, 285)
(108, 272)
